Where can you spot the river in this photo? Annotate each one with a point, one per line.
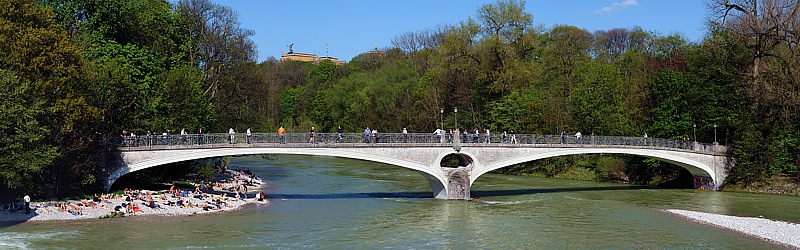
(333, 203)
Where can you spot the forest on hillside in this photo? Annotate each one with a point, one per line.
(76, 73)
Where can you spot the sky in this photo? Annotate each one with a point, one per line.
(345, 29)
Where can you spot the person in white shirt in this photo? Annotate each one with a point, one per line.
(183, 135)
(248, 135)
(231, 132)
(513, 137)
(27, 203)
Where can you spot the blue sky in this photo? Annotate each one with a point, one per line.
(349, 28)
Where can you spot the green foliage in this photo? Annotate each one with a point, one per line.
(35, 47)
(322, 72)
(521, 112)
(288, 104)
(379, 100)
(46, 65)
(125, 80)
(183, 184)
(751, 158)
(671, 95)
(598, 102)
(784, 152)
(113, 214)
(26, 153)
(205, 170)
(184, 103)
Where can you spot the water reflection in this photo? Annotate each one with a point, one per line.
(372, 195)
(490, 193)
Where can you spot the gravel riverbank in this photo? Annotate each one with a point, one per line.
(782, 233)
(214, 200)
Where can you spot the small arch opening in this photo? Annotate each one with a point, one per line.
(455, 160)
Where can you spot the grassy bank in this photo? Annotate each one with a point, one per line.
(577, 173)
(780, 184)
(601, 168)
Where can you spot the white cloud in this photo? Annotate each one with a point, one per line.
(615, 6)
(604, 10)
(626, 3)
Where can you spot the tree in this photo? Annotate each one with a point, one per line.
(671, 96)
(767, 30)
(26, 153)
(184, 103)
(411, 42)
(454, 74)
(598, 102)
(47, 65)
(611, 44)
(506, 19)
(762, 25)
(565, 50)
(217, 42)
(503, 25)
(123, 78)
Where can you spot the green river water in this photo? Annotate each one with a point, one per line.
(333, 203)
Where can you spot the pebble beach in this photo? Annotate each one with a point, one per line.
(781, 233)
(202, 202)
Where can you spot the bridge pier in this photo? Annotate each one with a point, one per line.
(458, 184)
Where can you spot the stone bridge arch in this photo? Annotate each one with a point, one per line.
(426, 158)
(139, 160)
(708, 165)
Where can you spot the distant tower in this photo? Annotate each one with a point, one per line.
(375, 51)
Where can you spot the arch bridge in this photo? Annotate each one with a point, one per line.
(424, 153)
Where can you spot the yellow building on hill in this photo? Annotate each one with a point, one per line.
(291, 56)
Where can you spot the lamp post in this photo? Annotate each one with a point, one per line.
(715, 133)
(441, 118)
(455, 115)
(694, 131)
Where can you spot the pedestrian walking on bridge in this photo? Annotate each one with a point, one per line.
(248, 136)
(282, 135)
(311, 135)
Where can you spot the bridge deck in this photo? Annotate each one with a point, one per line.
(396, 140)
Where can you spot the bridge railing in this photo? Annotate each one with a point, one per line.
(173, 140)
(359, 139)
